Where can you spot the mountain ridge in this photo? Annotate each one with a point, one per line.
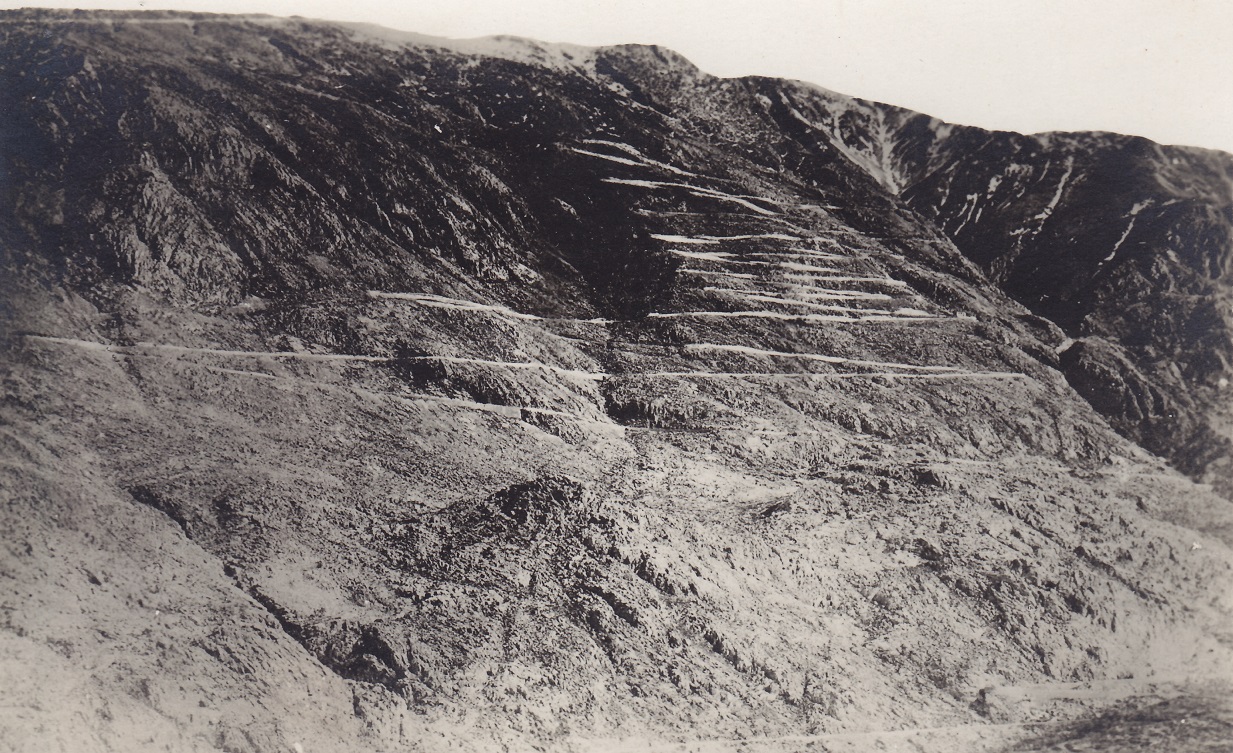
(358, 398)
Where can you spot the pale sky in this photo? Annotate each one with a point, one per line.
(1156, 68)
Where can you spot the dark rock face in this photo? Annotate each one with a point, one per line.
(1116, 238)
(1158, 413)
(363, 390)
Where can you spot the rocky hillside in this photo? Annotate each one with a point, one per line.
(365, 391)
(1125, 244)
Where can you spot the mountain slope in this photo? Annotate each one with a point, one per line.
(1124, 244)
(365, 390)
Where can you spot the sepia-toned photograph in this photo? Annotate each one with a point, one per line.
(625, 377)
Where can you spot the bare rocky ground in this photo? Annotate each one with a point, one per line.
(782, 471)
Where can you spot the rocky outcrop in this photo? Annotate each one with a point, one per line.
(1168, 422)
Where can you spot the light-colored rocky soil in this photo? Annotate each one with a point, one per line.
(767, 477)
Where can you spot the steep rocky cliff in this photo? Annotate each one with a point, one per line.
(365, 391)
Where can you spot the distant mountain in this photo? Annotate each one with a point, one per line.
(369, 391)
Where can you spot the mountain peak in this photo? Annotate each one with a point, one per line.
(371, 390)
